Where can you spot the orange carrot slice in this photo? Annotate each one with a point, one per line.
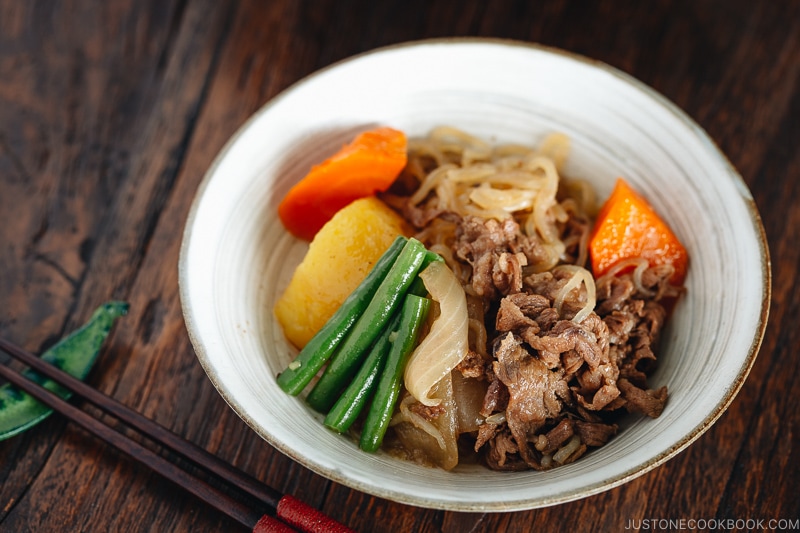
(370, 163)
(627, 227)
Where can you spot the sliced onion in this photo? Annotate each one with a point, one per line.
(468, 395)
(568, 449)
(579, 276)
(509, 200)
(445, 346)
(431, 181)
(407, 415)
(431, 441)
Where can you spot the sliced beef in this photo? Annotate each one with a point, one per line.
(546, 284)
(507, 272)
(496, 398)
(427, 412)
(479, 242)
(576, 230)
(648, 402)
(597, 387)
(634, 329)
(656, 280)
(504, 455)
(496, 251)
(518, 313)
(612, 294)
(589, 340)
(551, 441)
(595, 433)
(619, 324)
(486, 432)
(472, 366)
(555, 387)
(520, 310)
(535, 393)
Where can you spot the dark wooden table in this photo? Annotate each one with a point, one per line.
(110, 113)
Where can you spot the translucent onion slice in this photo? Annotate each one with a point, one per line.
(445, 346)
(407, 415)
(431, 182)
(508, 200)
(580, 276)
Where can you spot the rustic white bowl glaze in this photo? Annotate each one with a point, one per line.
(236, 258)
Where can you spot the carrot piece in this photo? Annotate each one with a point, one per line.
(370, 163)
(628, 227)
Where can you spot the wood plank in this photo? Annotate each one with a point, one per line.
(110, 113)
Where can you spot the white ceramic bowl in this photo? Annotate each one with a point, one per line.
(236, 257)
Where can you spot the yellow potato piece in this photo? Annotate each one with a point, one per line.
(338, 259)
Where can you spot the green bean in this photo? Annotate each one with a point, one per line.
(320, 348)
(418, 286)
(349, 405)
(74, 355)
(388, 297)
(412, 316)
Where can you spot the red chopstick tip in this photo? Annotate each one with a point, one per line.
(267, 524)
(306, 518)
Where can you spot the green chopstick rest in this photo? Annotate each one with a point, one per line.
(74, 354)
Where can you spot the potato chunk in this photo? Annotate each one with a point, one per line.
(338, 259)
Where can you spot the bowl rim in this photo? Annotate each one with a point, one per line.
(565, 496)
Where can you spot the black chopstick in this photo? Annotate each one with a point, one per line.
(286, 508)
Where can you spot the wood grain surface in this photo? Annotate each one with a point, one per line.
(110, 113)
